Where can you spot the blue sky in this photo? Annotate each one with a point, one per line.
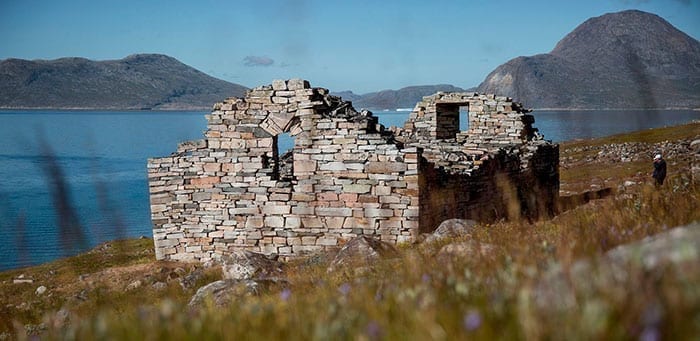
(361, 46)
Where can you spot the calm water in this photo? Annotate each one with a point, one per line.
(103, 155)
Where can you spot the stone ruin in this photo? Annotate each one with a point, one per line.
(346, 176)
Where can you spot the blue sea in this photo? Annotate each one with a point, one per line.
(91, 166)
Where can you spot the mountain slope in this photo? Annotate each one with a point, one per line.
(142, 81)
(393, 99)
(629, 59)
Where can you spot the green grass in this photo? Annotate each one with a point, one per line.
(418, 296)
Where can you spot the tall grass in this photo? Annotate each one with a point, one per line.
(506, 293)
(521, 280)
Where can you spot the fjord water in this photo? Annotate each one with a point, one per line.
(102, 161)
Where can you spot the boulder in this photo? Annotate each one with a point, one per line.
(59, 319)
(134, 285)
(467, 249)
(695, 145)
(190, 280)
(221, 293)
(451, 228)
(672, 255)
(40, 290)
(251, 265)
(678, 245)
(83, 295)
(158, 286)
(360, 252)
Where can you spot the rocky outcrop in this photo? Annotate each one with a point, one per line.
(222, 293)
(465, 250)
(670, 256)
(243, 265)
(451, 228)
(360, 253)
(629, 152)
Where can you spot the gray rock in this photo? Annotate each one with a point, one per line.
(180, 271)
(360, 252)
(159, 286)
(468, 249)
(133, 285)
(678, 245)
(695, 145)
(221, 293)
(59, 319)
(40, 290)
(559, 290)
(451, 228)
(251, 265)
(82, 295)
(189, 281)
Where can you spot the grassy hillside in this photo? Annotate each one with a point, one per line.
(494, 291)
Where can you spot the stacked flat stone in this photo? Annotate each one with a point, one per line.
(224, 192)
(494, 121)
(347, 176)
(479, 169)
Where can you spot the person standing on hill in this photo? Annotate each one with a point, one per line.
(659, 170)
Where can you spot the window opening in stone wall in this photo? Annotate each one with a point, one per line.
(451, 118)
(463, 118)
(285, 156)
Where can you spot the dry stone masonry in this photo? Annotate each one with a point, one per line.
(346, 175)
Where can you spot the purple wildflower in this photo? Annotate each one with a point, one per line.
(472, 320)
(373, 330)
(285, 294)
(345, 289)
(650, 334)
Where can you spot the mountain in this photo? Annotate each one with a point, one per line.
(141, 81)
(394, 99)
(624, 60)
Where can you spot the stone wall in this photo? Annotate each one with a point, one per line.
(499, 167)
(345, 176)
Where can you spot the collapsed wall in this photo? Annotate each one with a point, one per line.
(347, 178)
(499, 167)
(345, 175)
